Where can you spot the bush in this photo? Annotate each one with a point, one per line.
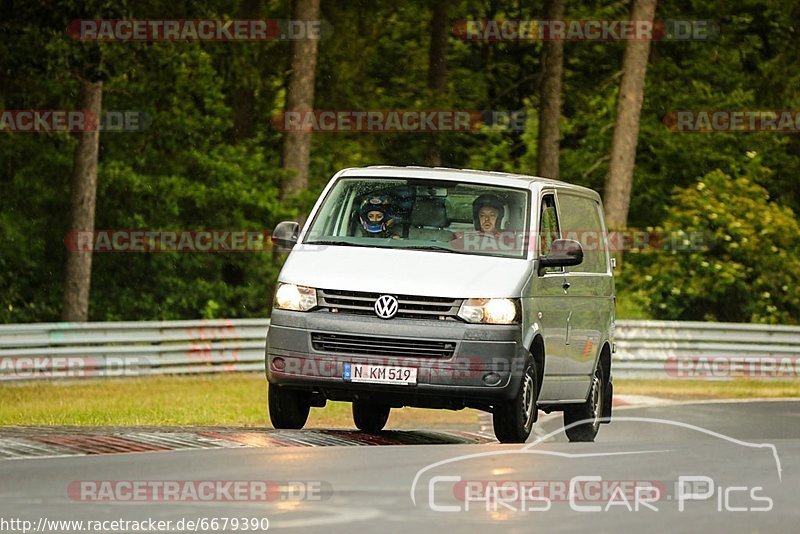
(747, 270)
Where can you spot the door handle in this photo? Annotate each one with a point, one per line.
(565, 285)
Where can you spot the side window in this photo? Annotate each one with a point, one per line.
(580, 220)
(548, 227)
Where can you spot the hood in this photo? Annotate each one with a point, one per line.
(405, 272)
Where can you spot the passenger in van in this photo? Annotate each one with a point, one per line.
(487, 212)
(375, 218)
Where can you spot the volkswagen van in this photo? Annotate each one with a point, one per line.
(448, 289)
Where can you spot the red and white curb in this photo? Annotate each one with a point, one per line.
(49, 442)
(54, 441)
(639, 401)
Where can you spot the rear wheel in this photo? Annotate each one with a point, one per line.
(586, 417)
(370, 416)
(288, 409)
(513, 420)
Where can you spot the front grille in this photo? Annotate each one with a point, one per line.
(409, 306)
(382, 346)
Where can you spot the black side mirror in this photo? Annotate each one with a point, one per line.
(285, 234)
(563, 253)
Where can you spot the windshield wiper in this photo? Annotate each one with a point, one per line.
(434, 247)
(335, 242)
(437, 248)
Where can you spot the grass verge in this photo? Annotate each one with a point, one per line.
(241, 400)
(699, 389)
(230, 399)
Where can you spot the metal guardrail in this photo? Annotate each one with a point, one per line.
(645, 349)
(117, 349)
(684, 349)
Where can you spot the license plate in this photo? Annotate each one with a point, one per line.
(379, 374)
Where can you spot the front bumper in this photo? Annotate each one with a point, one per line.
(485, 365)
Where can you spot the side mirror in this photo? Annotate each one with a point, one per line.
(285, 234)
(563, 253)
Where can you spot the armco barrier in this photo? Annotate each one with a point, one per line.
(682, 349)
(645, 349)
(114, 349)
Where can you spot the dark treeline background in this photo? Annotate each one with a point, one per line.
(210, 158)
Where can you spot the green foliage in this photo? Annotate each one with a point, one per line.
(231, 188)
(178, 174)
(745, 269)
(211, 160)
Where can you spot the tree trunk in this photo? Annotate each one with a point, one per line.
(617, 193)
(437, 70)
(550, 97)
(83, 194)
(488, 53)
(243, 101)
(243, 92)
(300, 97)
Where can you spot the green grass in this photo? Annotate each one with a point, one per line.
(241, 400)
(699, 389)
(231, 399)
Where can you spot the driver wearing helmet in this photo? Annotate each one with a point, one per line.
(487, 212)
(375, 218)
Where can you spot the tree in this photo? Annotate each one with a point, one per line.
(437, 69)
(550, 97)
(726, 252)
(243, 92)
(83, 196)
(209, 160)
(300, 97)
(619, 180)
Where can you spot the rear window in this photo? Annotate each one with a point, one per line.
(580, 220)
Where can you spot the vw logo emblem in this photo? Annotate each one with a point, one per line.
(386, 307)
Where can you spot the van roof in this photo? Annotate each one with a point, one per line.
(463, 175)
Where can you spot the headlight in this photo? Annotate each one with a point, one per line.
(297, 298)
(491, 311)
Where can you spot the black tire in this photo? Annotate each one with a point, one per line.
(513, 420)
(288, 409)
(587, 417)
(370, 416)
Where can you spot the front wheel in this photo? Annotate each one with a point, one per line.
(288, 409)
(513, 420)
(370, 416)
(582, 421)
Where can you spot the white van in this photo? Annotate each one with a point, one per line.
(444, 288)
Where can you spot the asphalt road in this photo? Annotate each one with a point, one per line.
(742, 461)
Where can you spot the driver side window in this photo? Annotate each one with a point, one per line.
(548, 228)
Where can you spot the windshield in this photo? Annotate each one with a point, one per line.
(454, 217)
